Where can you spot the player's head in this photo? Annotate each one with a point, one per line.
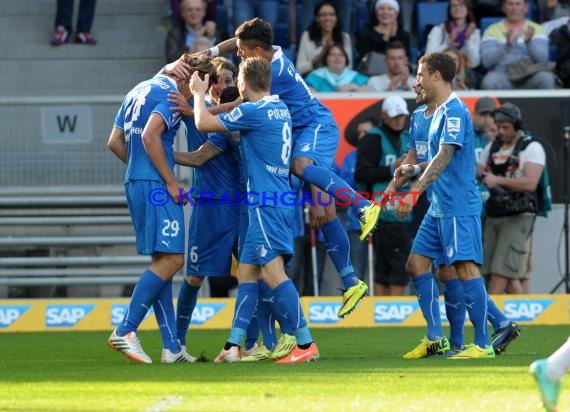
(227, 76)
(202, 64)
(508, 118)
(254, 38)
(254, 76)
(229, 94)
(434, 71)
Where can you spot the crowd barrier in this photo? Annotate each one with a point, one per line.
(34, 315)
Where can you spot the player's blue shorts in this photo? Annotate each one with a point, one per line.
(317, 141)
(158, 228)
(212, 237)
(268, 235)
(450, 239)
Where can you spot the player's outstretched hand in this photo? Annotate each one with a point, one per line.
(178, 69)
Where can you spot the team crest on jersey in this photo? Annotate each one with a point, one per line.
(305, 147)
(235, 114)
(453, 124)
(261, 251)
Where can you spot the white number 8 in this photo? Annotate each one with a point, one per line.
(286, 149)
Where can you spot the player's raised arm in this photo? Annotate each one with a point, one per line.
(205, 121)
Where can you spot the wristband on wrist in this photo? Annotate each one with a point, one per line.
(214, 51)
(417, 170)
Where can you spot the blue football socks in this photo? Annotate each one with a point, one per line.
(144, 294)
(334, 185)
(338, 248)
(495, 316)
(455, 311)
(476, 301)
(246, 303)
(428, 298)
(187, 298)
(164, 312)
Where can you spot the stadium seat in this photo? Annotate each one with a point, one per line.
(222, 18)
(428, 15)
(487, 21)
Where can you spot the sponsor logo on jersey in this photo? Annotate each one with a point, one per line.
(234, 115)
(522, 310)
(10, 314)
(324, 312)
(66, 315)
(393, 312)
(453, 125)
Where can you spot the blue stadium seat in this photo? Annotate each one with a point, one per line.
(281, 29)
(428, 15)
(222, 18)
(362, 17)
(487, 21)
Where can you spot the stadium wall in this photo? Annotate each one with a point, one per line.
(105, 314)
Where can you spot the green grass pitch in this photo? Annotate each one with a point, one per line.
(359, 369)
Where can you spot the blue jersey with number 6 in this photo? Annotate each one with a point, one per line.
(265, 143)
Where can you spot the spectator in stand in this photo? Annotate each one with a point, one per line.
(63, 18)
(561, 39)
(180, 38)
(324, 31)
(553, 9)
(459, 32)
(175, 11)
(398, 76)
(344, 9)
(248, 9)
(201, 43)
(515, 52)
(384, 29)
(335, 76)
(460, 82)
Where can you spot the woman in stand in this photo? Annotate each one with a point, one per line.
(323, 31)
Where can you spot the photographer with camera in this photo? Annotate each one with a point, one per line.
(511, 167)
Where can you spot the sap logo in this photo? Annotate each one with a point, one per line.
(324, 312)
(66, 315)
(119, 310)
(393, 312)
(203, 312)
(525, 309)
(10, 314)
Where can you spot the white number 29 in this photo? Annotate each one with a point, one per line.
(170, 228)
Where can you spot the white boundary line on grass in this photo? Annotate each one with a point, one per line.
(165, 403)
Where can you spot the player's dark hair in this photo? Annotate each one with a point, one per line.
(257, 73)
(202, 64)
(257, 33)
(440, 62)
(229, 94)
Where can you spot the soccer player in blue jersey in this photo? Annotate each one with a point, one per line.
(214, 223)
(450, 232)
(315, 137)
(264, 123)
(505, 331)
(142, 137)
